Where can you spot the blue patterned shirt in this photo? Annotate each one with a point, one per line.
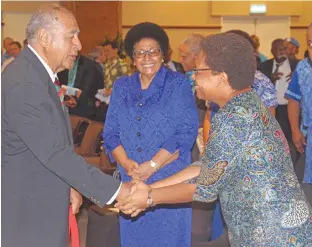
(300, 89)
(265, 89)
(248, 165)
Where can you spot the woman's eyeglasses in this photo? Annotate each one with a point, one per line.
(154, 52)
(195, 71)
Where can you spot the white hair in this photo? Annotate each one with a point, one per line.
(47, 18)
(193, 41)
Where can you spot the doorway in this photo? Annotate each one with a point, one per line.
(267, 28)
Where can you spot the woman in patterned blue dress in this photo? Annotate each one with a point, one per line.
(246, 161)
(150, 128)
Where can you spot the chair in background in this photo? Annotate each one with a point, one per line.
(90, 139)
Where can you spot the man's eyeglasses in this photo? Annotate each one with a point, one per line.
(154, 52)
(195, 71)
(310, 44)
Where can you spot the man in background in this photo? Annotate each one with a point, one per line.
(279, 69)
(98, 56)
(299, 94)
(292, 47)
(189, 50)
(14, 49)
(86, 75)
(256, 45)
(114, 67)
(173, 65)
(6, 44)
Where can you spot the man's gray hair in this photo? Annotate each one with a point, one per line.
(46, 18)
(194, 42)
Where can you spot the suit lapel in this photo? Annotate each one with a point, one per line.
(46, 80)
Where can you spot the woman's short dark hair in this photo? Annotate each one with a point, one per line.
(232, 54)
(146, 30)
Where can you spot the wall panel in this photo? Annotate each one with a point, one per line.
(96, 20)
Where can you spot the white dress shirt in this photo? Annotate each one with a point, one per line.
(6, 63)
(53, 76)
(281, 85)
(171, 65)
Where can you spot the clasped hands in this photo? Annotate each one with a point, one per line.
(139, 172)
(132, 198)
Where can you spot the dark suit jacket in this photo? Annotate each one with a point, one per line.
(267, 67)
(38, 160)
(89, 79)
(178, 67)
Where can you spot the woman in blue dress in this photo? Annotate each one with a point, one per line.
(150, 128)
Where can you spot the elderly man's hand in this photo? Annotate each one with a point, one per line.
(136, 202)
(125, 190)
(75, 200)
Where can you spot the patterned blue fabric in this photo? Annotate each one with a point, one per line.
(300, 89)
(267, 92)
(247, 164)
(293, 90)
(307, 106)
(265, 89)
(189, 75)
(144, 121)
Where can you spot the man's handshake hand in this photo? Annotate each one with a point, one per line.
(136, 201)
(125, 190)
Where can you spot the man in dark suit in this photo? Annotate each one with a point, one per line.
(279, 69)
(173, 65)
(278, 50)
(39, 164)
(88, 78)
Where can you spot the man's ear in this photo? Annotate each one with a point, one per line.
(44, 38)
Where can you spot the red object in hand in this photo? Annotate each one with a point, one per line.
(73, 230)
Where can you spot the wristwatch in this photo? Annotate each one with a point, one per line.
(150, 202)
(154, 165)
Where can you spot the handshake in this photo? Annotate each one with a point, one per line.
(134, 197)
